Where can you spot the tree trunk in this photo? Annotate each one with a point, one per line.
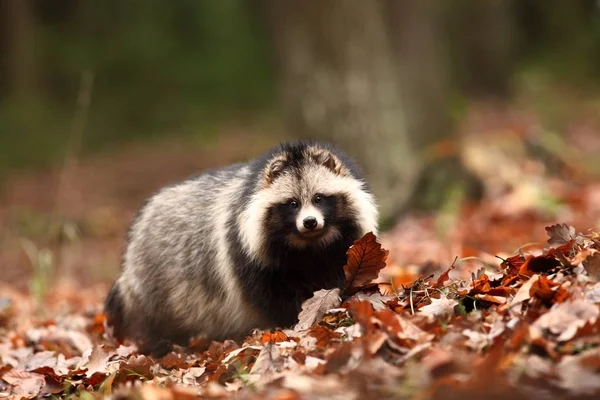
(482, 42)
(339, 83)
(365, 75)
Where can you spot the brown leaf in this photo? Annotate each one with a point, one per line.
(98, 361)
(444, 277)
(24, 383)
(363, 313)
(173, 361)
(524, 291)
(514, 263)
(563, 320)
(481, 285)
(337, 359)
(592, 266)
(560, 234)
(315, 307)
(323, 335)
(491, 299)
(365, 259)
(548, 291)
(401, 329)
(134, 369)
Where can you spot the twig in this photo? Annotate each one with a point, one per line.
(412, 307)
(80, 118)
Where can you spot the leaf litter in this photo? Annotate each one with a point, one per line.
(528, 326)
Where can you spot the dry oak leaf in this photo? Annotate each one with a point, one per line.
(315, 307)
(268, 360)
(23, 383)
(365, 259)
(560, 234)
(592, 266)
(563, 320)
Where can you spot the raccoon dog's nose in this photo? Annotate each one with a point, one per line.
(310, 223)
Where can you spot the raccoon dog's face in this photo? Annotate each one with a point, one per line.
(308, 199)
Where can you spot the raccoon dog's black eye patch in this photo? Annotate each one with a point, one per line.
(328, 205)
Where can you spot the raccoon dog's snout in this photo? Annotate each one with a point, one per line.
(310, 220)
(310, 223)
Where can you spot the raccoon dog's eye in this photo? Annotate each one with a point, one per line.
(293, 204)
(318, 198)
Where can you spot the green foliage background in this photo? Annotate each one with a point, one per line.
(159, 69)
(179, 68)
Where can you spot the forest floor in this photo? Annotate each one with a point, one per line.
(488, 300)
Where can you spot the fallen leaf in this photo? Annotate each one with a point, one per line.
(376, 299)
(524, 291)
(268, 360)
(563, 320)
(576, 376)
(24, 383)
(190, 377)
(173, 361)
(560, 234)
(592, 266)
(548, 291)
(315, 307)
(439, 308)
(273, 337)
(323, 335)
(365, 259)
(481, 285)
(444, 277)
(98, 361)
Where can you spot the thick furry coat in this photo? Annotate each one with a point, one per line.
(240, 247)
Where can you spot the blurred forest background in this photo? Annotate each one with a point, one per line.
(101, 102)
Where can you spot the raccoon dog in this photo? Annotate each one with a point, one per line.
(240, 247)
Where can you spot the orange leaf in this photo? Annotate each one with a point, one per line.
(444, 277)
(365, 259)
(543, 289)
(481, 285)
(362, 312)
(273, 337)
(513, 263)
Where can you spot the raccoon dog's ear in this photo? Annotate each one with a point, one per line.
(275, 169)
(330, 162)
